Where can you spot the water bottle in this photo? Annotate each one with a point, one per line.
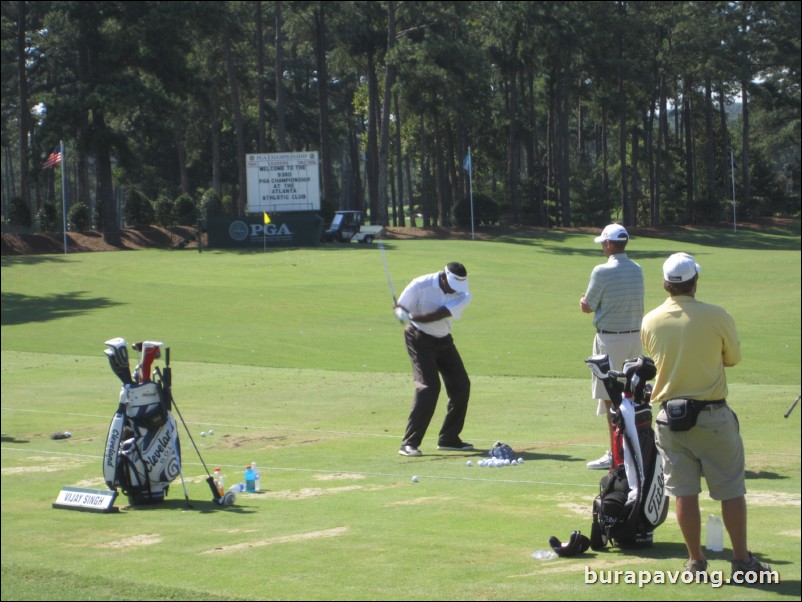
(256, 484)
(544, 554)
(238, 488)
(715, 534)
(218, 481)
(250, 479)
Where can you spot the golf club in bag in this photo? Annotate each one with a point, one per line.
(142, 455)
(632, 501)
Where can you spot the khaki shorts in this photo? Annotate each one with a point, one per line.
(619, 347)
(713, 449)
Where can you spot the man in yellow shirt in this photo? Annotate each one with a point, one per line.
(691, 343)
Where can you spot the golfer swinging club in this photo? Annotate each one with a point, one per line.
(428, 306)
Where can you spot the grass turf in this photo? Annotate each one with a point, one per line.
(293, 358)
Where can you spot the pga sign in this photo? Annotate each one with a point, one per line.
(295, 229)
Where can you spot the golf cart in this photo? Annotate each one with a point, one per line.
(350, 225)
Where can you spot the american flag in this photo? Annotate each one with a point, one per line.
(54, 158)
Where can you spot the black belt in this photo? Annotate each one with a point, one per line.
(715, 402)
(600, 331)
(703, 404)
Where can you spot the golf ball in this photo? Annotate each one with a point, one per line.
(415, 479)
(211, 431)
(203, 433)
(469, 463)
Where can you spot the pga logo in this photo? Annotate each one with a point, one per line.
(259, 230)
(240, 231)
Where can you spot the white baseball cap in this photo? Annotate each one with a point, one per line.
(457, 283)
(613, 232)
(680, 267)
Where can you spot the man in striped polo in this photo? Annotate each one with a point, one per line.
(615, 297)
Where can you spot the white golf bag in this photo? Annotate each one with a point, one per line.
(142, 454)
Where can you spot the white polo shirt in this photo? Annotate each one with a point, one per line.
(423, 295)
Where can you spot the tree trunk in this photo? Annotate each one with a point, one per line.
(281, 103)
(372, 159)
(24, 112)
(662, 142)
(551, 177)
(564, 145)
(513, 170)
(384, 150)
(689, 179)
(214, 134)
(535, 160)
(413, 220)
(438, 173)
(622, 136)
(710, 165)
(105, 188)
(321, 45)
(260, 79)
(746, 191)
(358, 201)
(725, 137)
(399, 168)
(181, 155)
(633, 180)
(238, 124)
(425, 179)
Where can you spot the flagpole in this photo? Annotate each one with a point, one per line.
(470, 190)
(64, 193)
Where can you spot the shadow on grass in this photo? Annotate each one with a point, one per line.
(762, 474)
(24, 309)
(772, 237)
(28, 260)
(675, 553)
(7, 439)
(202, 506)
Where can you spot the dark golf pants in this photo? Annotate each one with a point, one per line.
(432, 357)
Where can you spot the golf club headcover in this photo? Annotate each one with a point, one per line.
(576, 544)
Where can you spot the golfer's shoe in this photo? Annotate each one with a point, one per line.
(409, 450)
(696, 566)
(602, 463)
(748, 570)
(455, 446)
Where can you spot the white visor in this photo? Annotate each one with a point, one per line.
(457, 283)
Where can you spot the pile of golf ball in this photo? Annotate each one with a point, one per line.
(497, 462)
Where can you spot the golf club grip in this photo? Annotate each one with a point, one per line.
(213, 487)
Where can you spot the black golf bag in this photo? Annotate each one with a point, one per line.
(143, 454)
(632, 500)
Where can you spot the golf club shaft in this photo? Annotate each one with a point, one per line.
(387, 272)
(793, 405)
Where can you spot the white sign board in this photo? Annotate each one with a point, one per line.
(279, 182)
(77, 498)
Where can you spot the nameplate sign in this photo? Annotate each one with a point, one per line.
(92, 500)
